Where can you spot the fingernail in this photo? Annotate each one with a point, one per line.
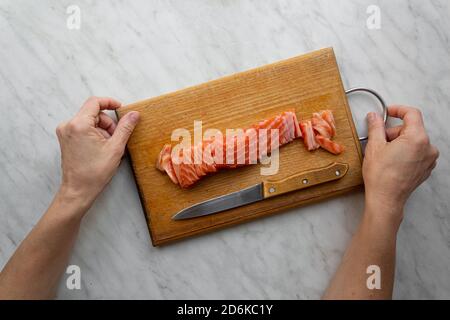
(134, 116)
(371, 116)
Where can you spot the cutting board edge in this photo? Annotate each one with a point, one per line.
(141, 197)
(230, 223)
(138, 187)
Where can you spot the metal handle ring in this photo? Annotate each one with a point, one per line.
(374, 93)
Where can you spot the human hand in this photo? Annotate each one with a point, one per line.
(92, 146)
(397, 160)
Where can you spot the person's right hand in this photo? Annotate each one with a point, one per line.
(397, 160)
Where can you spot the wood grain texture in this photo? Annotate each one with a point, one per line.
(306, 84)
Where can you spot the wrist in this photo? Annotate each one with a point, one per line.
(383, 213)
(76, 201)
(84, 192)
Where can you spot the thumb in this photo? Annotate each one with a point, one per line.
(376, 128)
(125, 128)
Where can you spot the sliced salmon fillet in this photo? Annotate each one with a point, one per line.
(324, 129)
(247, 146)
(247, 151)
(241, 149)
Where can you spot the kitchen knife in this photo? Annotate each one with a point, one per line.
(264, 190)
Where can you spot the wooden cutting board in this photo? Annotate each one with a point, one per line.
(306, 83)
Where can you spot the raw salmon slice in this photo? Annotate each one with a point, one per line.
(321, 126)
(329, 145)
(164, 163)
(327, 115)
(241, 150)
(309, 138)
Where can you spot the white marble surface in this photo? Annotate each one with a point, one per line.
(136, 49)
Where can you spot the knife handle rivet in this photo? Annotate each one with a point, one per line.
(271, 189)
(338, 173)
(305, 181)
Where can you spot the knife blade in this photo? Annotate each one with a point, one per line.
(264, 190)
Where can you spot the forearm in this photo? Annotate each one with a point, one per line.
(92, 145)
(36, 266)
(373, 244)
(396, 161)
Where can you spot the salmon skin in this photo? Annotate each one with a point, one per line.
(187, 166)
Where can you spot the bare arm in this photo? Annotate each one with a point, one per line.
(91, 149)
(397, 161)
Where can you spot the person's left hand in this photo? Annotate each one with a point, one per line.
(92, 146)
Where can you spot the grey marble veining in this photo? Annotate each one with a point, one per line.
(136, 49)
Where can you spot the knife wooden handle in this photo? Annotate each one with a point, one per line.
(306, 179)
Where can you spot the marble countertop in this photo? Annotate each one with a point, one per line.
(137, 49)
